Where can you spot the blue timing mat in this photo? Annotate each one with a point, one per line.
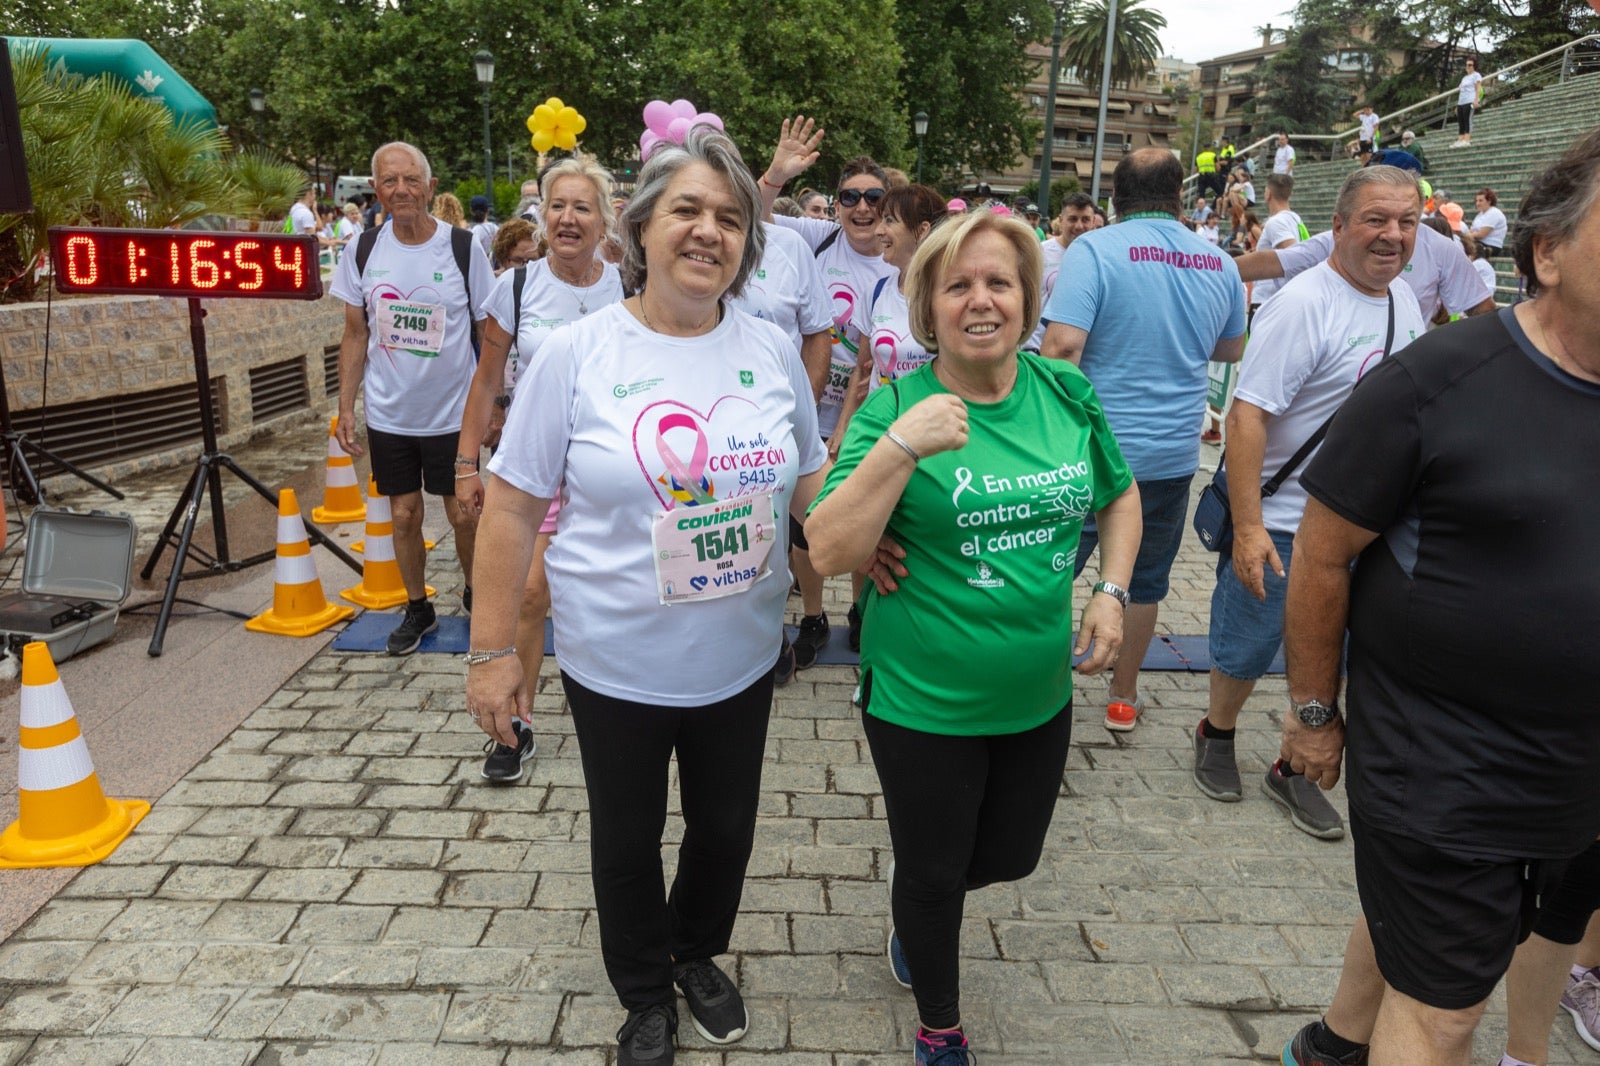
(370, 632)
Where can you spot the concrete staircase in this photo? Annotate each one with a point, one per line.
(1510, 142)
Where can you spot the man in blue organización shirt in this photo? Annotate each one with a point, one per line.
(1141, 307)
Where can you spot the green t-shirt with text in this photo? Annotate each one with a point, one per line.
(978, 639)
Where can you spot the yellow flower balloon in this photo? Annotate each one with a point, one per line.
(555, 125)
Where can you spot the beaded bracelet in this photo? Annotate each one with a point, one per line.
(478, 658)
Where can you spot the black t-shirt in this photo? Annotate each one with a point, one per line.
(1474, 652)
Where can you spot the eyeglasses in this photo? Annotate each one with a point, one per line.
(851, 197)
(519, 260)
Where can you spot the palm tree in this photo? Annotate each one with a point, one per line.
(1135, 47)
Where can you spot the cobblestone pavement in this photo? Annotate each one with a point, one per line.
(336, 884)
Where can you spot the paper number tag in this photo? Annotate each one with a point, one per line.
(417, 327)
(715, 550)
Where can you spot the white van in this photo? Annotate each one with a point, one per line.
(348, 185)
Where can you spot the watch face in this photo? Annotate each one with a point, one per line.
(1315, 714)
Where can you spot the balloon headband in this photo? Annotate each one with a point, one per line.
(555, 125)
(670, 123)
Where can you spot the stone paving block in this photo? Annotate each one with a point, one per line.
(249, 965)
(1160, 904)
(278, 718)
(240, 822)
(564, 969)
(68, 1051)
(311, 742)
(410, 770)
(440, 1055)
(319, 1053)
(339, 923)
(372, 743)
(1236, 943)
(1226, 987)
(470, 968)
(828, 805)
(831, 1025)
(443, 825)
(1302, 987)
(337, 823)
(524, 929)
(210, 850)
(295, 851)
(40, 961)
(1258, 905)
(1318, 945)
(394, 886)
(1126, 942)
(423, 797)
(830, 934)
(154, 1011)
(312, 1015)
(489, 889)
(493, 855)
(566, 891)
(1172, 1033)
(1073, 981)
(337, 794)
(71, 919)
(423, 925)
(832, 862)
(177, 1051)
(145, 920)
(1058, 902)
(309, 885)
(1330, 905)
(783, 896)
(237, 767)
(243, 920)
(392, 854)
(72, 1010)
(853, 832)
(547, 856)
(762, 933)
(501, 1017)
(783, 975)
(208, 883)
(551, 825)
(220, 793)
(1038, 940)
(131, 964)
(116, 882)
(138, 849)
(820, 751)
(361, 966)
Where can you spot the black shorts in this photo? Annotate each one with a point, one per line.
(404, 464)
(1444, 925)
(1365, 147)
(797, 535)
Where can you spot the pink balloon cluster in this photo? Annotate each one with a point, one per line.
(670, 123)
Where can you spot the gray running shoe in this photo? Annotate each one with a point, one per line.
(1216, 773)
(1582, 1001)
(1308, 807)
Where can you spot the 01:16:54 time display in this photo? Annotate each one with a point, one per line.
(207, 274)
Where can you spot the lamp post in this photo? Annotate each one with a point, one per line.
(1199, 113)
(1105, 95)
(919, 122)
(1045, 160)
(258, 104)
(485, 64)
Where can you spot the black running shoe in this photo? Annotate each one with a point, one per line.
(415, 624)
(504, 764)
(783, 669)
(812, 639)
(646, 1038)
(715, 1005)
(855, 629)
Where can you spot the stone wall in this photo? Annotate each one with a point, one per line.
(107, 345)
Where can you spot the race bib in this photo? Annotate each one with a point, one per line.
(714, 550)
(418, 327)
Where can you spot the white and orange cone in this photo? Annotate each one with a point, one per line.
(64, 819)
(299, 608)
(341, 496)
(380, 574)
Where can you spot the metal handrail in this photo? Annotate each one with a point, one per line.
(1431, 101)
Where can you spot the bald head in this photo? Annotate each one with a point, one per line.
(1150, 179)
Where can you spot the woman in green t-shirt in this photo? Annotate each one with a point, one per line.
(982, 465)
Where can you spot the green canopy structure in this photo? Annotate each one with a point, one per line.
(132, 62)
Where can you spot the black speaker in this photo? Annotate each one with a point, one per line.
(16, 197)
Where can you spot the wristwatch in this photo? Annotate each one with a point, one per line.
(502, 402)
(1314, 713)
(1116, 592)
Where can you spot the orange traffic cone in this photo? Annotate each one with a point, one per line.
(64, 819)
(341, 496)
(380, 575)
(298, 607)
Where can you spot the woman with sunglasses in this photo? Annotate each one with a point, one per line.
(849, 253)
(569, 282)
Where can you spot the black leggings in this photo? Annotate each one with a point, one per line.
(1464, 119)
(1567, 910)
(964, 812)
(626, 748)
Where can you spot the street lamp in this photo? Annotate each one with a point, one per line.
(919, 122)
(1046, 161)
(485, 64)
(258, 104)
(1105, 94)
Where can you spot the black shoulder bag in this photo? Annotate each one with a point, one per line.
(1213, 514)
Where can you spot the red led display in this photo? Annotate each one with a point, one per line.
(169, 262)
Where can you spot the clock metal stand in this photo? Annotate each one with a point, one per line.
(24, 482)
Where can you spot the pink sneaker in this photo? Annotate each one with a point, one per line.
(1582, 1001)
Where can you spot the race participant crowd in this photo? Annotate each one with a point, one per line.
(702, 396)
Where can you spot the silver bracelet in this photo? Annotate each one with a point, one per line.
(908, 449)
(478, 658)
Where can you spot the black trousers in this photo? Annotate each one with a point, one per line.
(964, 812)
(626, 749)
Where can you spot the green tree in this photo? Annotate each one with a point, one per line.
(1135, 47)
(1296, 90)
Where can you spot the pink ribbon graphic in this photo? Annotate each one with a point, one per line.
(689, 484)
(885, 353)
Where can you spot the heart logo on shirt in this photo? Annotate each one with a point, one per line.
(677, 447)
(699, 583)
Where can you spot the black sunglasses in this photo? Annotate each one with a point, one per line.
(851, 197)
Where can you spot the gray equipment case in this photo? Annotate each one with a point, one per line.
(76, 571)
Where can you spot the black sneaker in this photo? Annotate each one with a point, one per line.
(1300, 1051)
(812, 639)
(715, 1005)
(417, 623)
(505, 764)
(783, 669)
(1216, 772)
(855, 629)
(646, 1038)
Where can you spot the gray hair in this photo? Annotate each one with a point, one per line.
(704, 144)
(1559, 199)
(1350, 191)
(413, 150)
(583, 166)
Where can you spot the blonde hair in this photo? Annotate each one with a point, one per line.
(939, 252)
(583, 166)
(447, 209)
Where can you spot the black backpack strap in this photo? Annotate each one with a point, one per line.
(364, 244)
(461, 248)
(827, 242)
(518, 276)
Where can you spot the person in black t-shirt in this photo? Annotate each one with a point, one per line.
(1471, 611)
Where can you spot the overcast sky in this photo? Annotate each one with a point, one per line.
(1204, 29)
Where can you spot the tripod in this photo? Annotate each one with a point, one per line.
(208, 479)
(24, 482)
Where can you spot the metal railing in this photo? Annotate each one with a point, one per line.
(1553, 66)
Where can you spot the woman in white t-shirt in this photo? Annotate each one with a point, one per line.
(569, 282)
(681, 434)
(1468, 95)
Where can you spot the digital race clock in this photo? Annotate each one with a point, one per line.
(170, 262)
